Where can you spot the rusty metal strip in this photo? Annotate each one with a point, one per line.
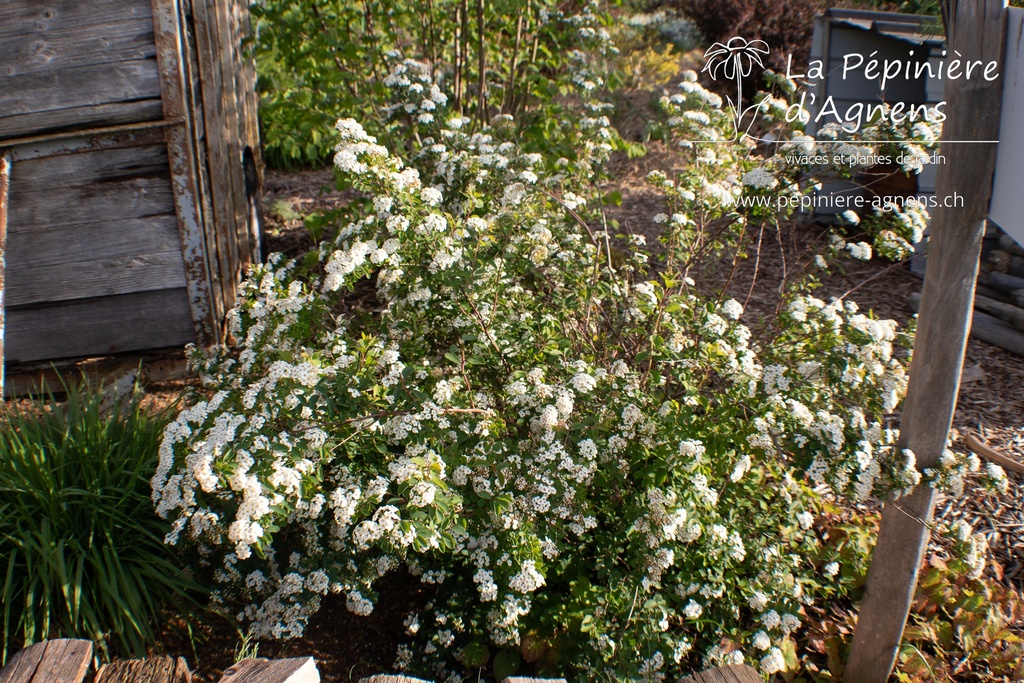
(181, 153)
(105, 130)
(5, 178)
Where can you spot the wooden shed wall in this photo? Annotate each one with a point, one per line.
(132, 205)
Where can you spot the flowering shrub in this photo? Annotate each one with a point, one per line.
(758, 179)
(594, 466)
(321, 59)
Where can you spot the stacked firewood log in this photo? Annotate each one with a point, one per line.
(1000, 294)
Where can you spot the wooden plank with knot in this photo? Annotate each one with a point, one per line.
(726, 674)
(150, 670)
(51, 661)
(295, 670)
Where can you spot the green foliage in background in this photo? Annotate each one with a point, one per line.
(81, 552)
(320, 61)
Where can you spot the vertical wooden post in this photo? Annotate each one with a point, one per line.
(975, 29)
(5, 177)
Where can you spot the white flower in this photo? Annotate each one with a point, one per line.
(759, 179)
(773, 662)
(583, 383)
(515, 193)
(831, 569)
(422, 494)
(850, 216)
(431, 195)
(693, 610)
(548, 417)
(528, 579)
(860, 250)
(732, 309)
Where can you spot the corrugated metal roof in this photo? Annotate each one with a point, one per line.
(912, 28)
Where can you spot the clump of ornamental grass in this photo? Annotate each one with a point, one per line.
(597, 469)
(81, 552)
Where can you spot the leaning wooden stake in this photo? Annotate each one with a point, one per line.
(976, 29)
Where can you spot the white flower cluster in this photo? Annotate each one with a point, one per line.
(519, 422)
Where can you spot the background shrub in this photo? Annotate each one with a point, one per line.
(786, 25)
(318, 61)
(81, 552)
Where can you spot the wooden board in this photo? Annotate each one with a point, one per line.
(137, 198)
(61, 16)
(47, 245)
(183, 163)
(62, 97)
(49, 174)
(92, 278)
(151, 670)
(193, 102)
(51, 661)
(93, 186)
(98, 117)
(295, 670)
(726, 674)
(388, 678)
(128, 322)
(220, 128)
(109, 233)
(976, 28)
(5, 175)
(91, 33)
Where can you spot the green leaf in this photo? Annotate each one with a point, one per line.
(475, 655)
(506, 663)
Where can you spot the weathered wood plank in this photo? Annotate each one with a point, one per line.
(725, 674)
(79, 86)
(86, 279)
(48, 246)
(94, 139)
(87, 168)
(144, 320)
(64, 661)
(183, 164)
(18, 18)
(124, 38)
(5, 176)
(51, 661)
(150, 670)
(976, 28)
(250, 130)
(230, 20)
(119, 113)
(23, 664)
(218, 131)
(390, 678)
(193, 101)
(130, 199)
(295, 670)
